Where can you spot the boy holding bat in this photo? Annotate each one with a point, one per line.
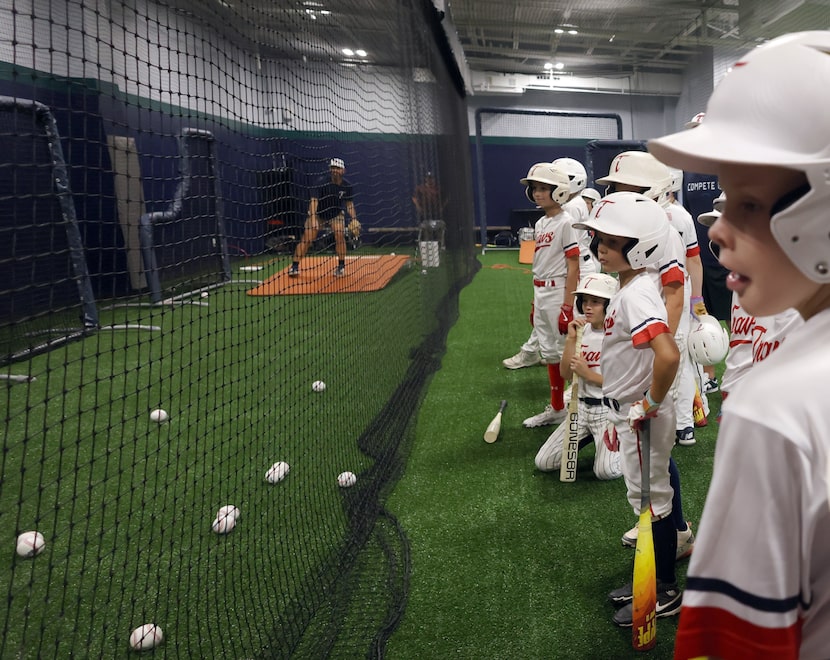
(592, 297)
(758, 584)
(638, 364)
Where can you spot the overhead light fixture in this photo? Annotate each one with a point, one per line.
(572, 32)
(548, 66)
(360, 52)
(348, 52)
(325, 12)
(559, 31)
(611, 40)
(559, 66)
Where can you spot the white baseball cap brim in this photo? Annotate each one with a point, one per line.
(708, 219)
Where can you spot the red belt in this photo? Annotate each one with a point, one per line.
(544, 283)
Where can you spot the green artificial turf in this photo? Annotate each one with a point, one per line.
(126, 504)
(508, 562)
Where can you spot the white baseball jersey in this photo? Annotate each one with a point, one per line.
(683, 222)
(578, 210)
(636, 314)
(752, 339)
(758, 584)
(555, 243)
(592, 419)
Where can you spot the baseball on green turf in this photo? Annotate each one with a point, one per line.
(30, 544)
(318, 386)
(159, 415)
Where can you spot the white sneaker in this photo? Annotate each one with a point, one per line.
(521, 359)
(547, 417)
(629, 539)
(685, 541)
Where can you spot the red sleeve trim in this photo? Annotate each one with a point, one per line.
(673, 274)
(693, 252)
(713, 632)
(644, 336)
(572, 251)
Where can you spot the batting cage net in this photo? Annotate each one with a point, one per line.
(215, 487)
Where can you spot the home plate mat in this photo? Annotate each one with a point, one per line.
(369, 273)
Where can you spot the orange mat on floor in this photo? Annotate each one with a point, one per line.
(369, 273)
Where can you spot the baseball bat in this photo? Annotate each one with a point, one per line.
(492, 432)
(570, 448)
(644, 584)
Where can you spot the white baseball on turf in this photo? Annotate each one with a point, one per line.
(277, 472)
(225, 519)
(223, 525)
(159, 415)
(346, 479)
(318, 386)
(146, 637)
(228, 510)
(392, 254)
(30, 544)
(204, 294)
(424, 271)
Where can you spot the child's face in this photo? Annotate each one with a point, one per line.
(610, 253)
(541, 195)
(593, 308)
(766, 281)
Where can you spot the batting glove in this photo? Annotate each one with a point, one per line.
(609, 437)
(566, 315)
(641, 411)
(698, 306)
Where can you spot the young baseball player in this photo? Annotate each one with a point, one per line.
(751, 593)
(638, 171)
(592, 297)
(578, 210)
(590, 196)
(639, 363)
(555, 269)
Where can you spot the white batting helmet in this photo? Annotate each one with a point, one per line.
(676, 179)
(641, 169)
(635, 216)
(575, 171)
(695, 121)
(600, 285)
(553, 176)
(747, 125)
(592, 194)
(708, 341)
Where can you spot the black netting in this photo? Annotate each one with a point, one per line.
(193, 136)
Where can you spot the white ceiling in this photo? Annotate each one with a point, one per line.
(613, 37)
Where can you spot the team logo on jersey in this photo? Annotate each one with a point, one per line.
(609, 322)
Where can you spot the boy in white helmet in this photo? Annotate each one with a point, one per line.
(577, 209)
(639, 171)
(638, 364)
(592, 297)
(555, 274)
(751, 594)
(590, 196)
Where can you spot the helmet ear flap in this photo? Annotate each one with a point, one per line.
(628, 247)
(579, 303)
(529, 193)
